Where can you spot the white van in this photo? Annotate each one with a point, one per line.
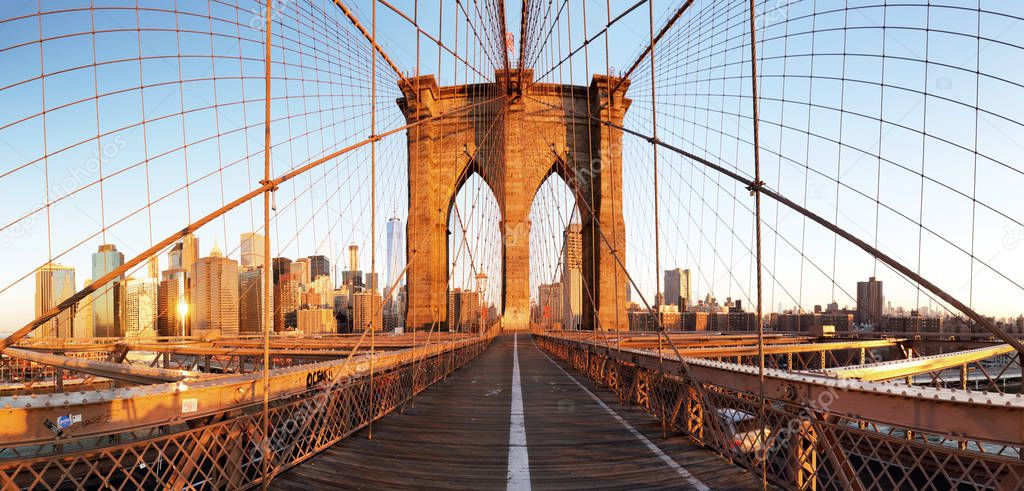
(746, 433)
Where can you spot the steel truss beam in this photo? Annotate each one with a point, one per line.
(775, 349)
(988, 417)
(889, 370)
(283, 343)
(117, 371)
(705, 340)
(115, 410)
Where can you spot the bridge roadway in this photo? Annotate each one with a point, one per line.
(465, 433)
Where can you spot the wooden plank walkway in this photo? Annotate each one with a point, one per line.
(456, 435)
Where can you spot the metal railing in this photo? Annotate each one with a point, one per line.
(818, 432)
(223, 450)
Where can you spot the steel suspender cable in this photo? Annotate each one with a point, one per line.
(658, 300)
(762, 437)
(373, 215)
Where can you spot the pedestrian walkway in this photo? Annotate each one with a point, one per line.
(485, 428)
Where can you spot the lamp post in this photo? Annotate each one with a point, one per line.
(481, 287)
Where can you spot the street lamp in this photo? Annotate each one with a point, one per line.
(481, 288)
(481, 283)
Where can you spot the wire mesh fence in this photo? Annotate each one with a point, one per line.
(225, 451)
(794, 444)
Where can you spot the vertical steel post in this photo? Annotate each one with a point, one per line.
(962, 444)
(266, 250)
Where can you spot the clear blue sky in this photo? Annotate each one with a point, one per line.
(703, 82)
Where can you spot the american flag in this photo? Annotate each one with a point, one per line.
(510, 42)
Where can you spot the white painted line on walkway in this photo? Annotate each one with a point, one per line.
(518, 476)
(685, 474)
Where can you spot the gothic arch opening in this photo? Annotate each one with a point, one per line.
(474, 256)
(556, 275)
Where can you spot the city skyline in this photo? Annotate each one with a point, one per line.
(203, 284)
(63, 278)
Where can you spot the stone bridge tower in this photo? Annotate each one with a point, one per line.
(515, 133)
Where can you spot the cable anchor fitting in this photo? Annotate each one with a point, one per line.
(272, 190)
(755, 187)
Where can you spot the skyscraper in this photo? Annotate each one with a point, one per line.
(353, 257)
(104, 310)
(685, 290)
(83, 317)
(352, 277)
(214, 295)
(342, 308)
(137, 306)
(572, 276)
(282, 266)
(54, 284)
(300, 270)
(174, 256)
(320, 292)
(393, 264)
(670, 287)
(470, 311)
(549, 300)
(677, 288)
(366, 311)
(287, 296)
(253, 252)
(250, 301)
(870, 300)
(463, 310)
(171, 293)
(189, 251)
(316, 321)
(319, 266)
(153, 268)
